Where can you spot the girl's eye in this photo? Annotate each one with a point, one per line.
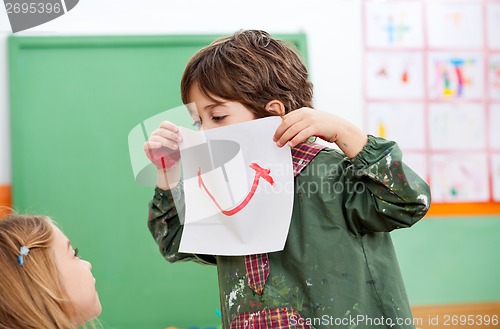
(76, 252)
(219, 118)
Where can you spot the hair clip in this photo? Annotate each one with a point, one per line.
(23, 252)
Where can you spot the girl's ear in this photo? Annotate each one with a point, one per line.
(276, 107)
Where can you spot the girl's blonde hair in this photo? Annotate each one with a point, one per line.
(32, 295)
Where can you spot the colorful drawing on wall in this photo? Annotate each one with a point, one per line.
(455, 76)
(454, 25)
(459, 178)
(457, 127)
(493, 23)
(394, 75)
(401, 122)
(494, 76)
(494, 121)
(495, 166)
(394, 24)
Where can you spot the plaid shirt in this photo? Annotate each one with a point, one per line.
(257, 266)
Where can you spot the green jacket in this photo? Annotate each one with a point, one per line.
(338, 268)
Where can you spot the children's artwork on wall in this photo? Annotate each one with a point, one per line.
(494, 127)
(432, 84)
(394, 75)
(457, 127)
(494, 76)
(403, 122)
(493, 25)
(495, 166)
(455, 24)
(394, 24)
(455, 75)
(459, 178)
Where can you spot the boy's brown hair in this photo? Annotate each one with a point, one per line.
(251, 68)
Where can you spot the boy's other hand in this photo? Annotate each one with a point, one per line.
(297, 126)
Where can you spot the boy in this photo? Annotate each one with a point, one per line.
(338, 267)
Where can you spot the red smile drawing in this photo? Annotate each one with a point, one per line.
(259, 173)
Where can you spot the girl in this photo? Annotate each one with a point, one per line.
(44, 284)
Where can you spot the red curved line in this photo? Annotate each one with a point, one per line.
(259, 172)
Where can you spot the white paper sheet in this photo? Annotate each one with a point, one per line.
(455, 25)
(229, 209)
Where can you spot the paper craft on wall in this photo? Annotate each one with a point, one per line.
(455, 75)
(403, 122)
(394, 75)
(455, 25)
(394, 24)
(457, 127)
(493, 24)
(459, 178)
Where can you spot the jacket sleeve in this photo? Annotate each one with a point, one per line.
(389, 195)
(166, 228)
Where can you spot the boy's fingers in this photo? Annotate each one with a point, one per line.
(288, 121)
(152, 145)
(290, 133)
(167, 134)
(169, 126)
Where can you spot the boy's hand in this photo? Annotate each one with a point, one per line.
(299, 125)
(162, 147)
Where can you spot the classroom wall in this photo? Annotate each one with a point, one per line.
(333, 30)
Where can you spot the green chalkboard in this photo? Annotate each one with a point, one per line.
(73, 101)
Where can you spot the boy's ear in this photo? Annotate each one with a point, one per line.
(276, 107)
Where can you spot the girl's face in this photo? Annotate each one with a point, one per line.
(219, 113)
(76, 279)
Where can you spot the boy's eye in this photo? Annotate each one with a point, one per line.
(219, 118)
(76, 252)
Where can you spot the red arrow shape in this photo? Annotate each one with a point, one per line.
(259, 173)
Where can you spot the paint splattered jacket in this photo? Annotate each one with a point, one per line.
(338, 268)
